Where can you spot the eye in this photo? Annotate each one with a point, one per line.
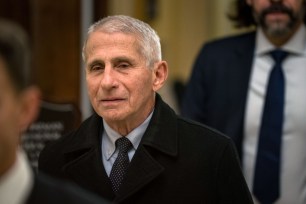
(96, 67)
(123, 65)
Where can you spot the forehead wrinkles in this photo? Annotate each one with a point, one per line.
(101, 40)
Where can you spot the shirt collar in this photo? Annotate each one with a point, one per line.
(134, 136)
(296, 45)
(16, 184)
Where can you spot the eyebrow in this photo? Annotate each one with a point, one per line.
(123, 59)
(114, 60)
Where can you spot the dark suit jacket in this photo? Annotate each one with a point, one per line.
(217, 90)
(50, 191)
(177, 161)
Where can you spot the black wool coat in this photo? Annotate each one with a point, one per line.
(177, 161)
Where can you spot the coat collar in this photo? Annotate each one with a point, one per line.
(161, 133)
(87, 136)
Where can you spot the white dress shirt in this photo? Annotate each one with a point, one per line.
(293, 162)
(109, 137)
(17, 183)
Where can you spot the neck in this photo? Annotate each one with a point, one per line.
(128, 125)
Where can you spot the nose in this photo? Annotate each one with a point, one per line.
(108, 79)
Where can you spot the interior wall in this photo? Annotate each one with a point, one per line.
(183, 27)
(56, 46)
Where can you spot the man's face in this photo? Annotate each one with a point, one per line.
(278, 17)
(9, 120)
(120, 85)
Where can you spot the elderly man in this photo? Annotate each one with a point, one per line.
(135, 149)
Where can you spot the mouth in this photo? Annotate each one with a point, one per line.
(111, 101)
(277, 13)
(277, 9)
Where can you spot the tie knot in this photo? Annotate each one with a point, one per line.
(279, 55)
(123, 144)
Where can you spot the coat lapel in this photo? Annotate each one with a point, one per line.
(142, 171)
(87, 170)
(144, 168)
(84, 163)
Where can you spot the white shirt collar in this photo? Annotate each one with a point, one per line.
(16, 184)
(294, 45)
(134, 136)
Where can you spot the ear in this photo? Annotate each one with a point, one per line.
(30, 107)
(160, 75)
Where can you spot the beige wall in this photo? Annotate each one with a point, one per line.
(183, 26)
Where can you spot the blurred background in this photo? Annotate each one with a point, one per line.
(57, 30)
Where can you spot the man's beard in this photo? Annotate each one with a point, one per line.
(277, 29)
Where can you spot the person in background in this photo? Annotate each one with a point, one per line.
(233, 89)
(19, 106)
(134, 148)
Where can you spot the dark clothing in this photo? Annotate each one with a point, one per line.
(51, 191)
(217, 90)
(177, 161)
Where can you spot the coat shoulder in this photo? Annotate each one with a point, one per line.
(193, 130)
(229, 41)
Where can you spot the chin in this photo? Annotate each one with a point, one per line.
(112, 116)
(277, 29)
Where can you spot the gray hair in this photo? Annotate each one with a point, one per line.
(149, 41)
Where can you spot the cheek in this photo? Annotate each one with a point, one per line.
(9, 126)
(258, 5)
(92, 87)
(9, 138)
(143, 87)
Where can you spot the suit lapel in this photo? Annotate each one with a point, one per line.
(239, 76)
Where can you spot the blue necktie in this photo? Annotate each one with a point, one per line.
(266, 185)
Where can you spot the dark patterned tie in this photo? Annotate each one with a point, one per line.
(121, 163)
(266, 185)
